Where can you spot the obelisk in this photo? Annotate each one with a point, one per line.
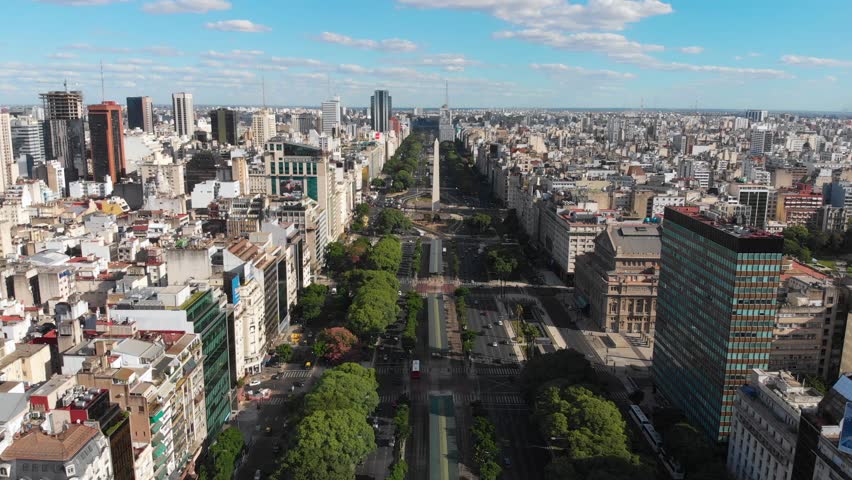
(436, 177)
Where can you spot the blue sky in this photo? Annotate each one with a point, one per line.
(780, 54)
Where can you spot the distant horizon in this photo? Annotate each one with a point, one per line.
(602, 54)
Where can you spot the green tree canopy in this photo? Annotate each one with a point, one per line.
(284, 352)
(344, 389)
(386, 254)
(329, 445)
(479, 221)
(392, 220)
(336, 257)
(568, 365)
(362, 209)
(587, 424)
(223, 454)
(311, 300)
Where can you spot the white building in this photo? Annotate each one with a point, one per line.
(8, 166)
(262, 127)
(331, 116)
(87, 188)
(764, 426)
(184, 113)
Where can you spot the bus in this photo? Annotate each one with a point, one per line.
(415, 369)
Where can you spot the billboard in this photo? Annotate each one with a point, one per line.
(845, 445)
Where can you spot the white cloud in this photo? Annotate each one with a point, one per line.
(96, 48)
(558, 14)
(831, 78)
(388, 45)
(213, 63)
(351, 68)
(185, 6)
(237, 26)
(804, 61)
(559, 68)
(450, 62)
(608, 43)
(81, 3)
(232, 54)
(62, 55)
(691, 50)
(296, 62)
(162, 51)
(140, 61)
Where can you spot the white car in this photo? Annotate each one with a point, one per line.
(493, 344)
(257, 474)
(254, 383)
(500, 322)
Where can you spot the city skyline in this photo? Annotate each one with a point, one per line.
(513, 53)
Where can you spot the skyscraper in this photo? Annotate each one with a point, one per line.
(223, 122)
(331, 116)
(7, 157)
(140, 114)
(446, 131)
(715, 313)
(380, 110)
(106, 131)
(28, 138)
(66, 138)
(262, 127)
(761, 141)
(184, 113)
(756, 116)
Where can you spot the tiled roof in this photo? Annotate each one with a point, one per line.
(36, 445)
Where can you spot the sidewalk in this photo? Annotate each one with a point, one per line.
(550, 328)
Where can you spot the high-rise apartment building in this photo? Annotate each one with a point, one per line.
(140, 114)
(761, 141)
(106, 132)
(380, 110)
(65, 133)
(223, 122)
(755, 198)
(28, 138)
(184, 113)
(716, 309)
(262, 127)
(8, 167)
(331, 116)
(756, 116)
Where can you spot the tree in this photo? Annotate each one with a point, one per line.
(311, 301)
(479, 222)
(489, 470)
(319, 347)
(398, 471)
(585, 423)
(223, 454)
(519, 312)
(391, 220)
(362, 210)
(402, 422)
(329, 444)
(377, 183)
(284, 352)
(462, 292)
(339, 341)
(345, 388)
(402, 180)
(568, 365)
(386, 254)
(336, 260)
(691, 448)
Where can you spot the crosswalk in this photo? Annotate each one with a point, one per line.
(296, 373)
(497, 371)
(275, 400)
(507, 398)
(389, 369)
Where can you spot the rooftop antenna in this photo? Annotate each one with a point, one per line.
(447, 94)
(65, 84)
(103, 96)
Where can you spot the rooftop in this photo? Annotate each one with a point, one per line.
(36, 445)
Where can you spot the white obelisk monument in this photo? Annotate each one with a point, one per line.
(436, 177)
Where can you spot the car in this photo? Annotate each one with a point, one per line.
(276, 448)
(254, 383)
(487, 326)
(276, 376)
(268, 429)
(385, 358)
(299, 384)
(500, 322)
(493, 344)
(257, 474)
(504, 342)
(507, 462)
